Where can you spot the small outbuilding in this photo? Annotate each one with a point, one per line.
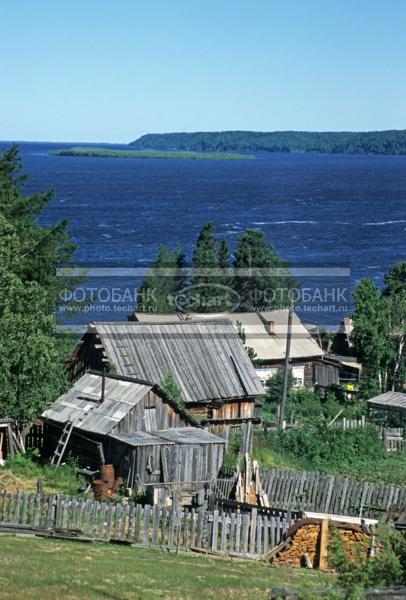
(132, 424)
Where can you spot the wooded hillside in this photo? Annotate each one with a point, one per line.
(347, 142)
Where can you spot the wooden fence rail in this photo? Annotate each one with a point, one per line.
(330, 494)
(236, 533)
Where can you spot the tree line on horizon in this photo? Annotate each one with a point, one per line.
(337, 142)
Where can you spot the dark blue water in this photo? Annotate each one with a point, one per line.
(317, 210)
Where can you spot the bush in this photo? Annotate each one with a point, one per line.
(386, 568)
(328, 447)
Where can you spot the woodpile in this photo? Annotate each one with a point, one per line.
(306, 544)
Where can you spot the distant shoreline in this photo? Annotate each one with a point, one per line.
(96, 152)
(390, 142)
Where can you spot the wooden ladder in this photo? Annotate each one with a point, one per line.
(61, 446)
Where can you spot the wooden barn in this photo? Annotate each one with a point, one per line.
(265, 332)
(135, 426)
(207, 360)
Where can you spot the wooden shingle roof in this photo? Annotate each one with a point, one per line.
(206, 358)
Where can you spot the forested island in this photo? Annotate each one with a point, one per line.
(345, 142)
(101, 152)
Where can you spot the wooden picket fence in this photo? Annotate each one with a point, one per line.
(239, 534)
(330, 494)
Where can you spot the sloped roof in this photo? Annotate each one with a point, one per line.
(141, 438)
(169, 437)
(206, 358)
(81, 404)
(267, 346)
(390, 401)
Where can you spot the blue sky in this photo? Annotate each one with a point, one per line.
(96, 70)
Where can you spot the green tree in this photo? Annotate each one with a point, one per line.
(379, 333)
(369, 337)
(395, 279)
(163, 282)
(225, 293)
(171, 388)
(42, 249)
(258, 279)
(394, 295)
(204, 292)
(31, 363)
(386, 568)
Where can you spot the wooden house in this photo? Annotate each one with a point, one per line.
(207, 360)
(132, 424)
(265, 332)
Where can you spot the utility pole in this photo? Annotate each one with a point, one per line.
(281, 423)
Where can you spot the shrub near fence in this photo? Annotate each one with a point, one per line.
(235, 534)
(330, 494)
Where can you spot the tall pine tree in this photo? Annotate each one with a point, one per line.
(161, 285)
(204, 292)
(225, 293)
(258, 279)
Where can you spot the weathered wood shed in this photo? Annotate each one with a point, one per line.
(207, 359)
(135, 426)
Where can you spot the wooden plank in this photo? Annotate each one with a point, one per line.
(155, 525)
(102, 517)
(238, 526)
(224, 527)
(323, 564)
(253, 530)
(138, 517)
(145, 524)
(245, 532)
(171, 527)
(214, 531)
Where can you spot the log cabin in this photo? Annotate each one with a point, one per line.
(132, 424)
(216, 379)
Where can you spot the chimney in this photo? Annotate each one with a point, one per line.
(103, 387)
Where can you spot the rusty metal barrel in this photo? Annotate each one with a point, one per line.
(100, 489)
(107, 475)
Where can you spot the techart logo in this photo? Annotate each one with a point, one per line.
(202, 297)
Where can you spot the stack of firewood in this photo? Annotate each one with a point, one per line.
(303, 549)
(306, 544)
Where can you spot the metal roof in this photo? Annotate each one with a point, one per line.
(206, 358)
(81, 404)
(169, 437)
(267, 346)
(390, 401)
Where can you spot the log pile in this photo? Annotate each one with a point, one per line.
(306, 544)
(302, 549)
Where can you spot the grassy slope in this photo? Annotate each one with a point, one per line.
(111, 153)
(22, 474)
(388, 470)
(83, 571)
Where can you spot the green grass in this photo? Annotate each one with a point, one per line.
(111, 153)
(390, 469)
(33, 568)
(22, 474)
